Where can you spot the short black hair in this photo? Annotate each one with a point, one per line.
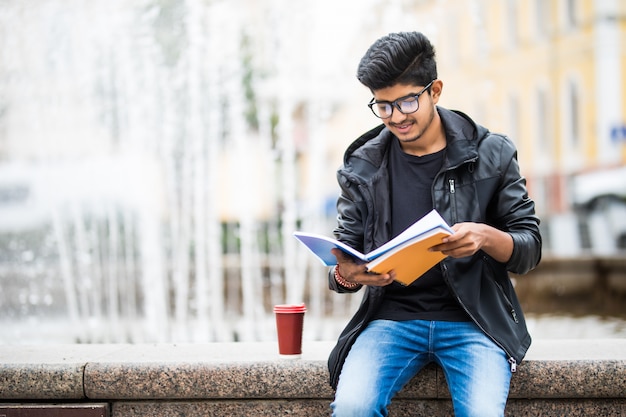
(398, 58)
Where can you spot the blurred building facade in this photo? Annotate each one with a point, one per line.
(551, 75)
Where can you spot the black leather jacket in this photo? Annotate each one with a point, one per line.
(480, 182)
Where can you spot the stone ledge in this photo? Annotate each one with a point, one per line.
(317, 408)
(219, 375)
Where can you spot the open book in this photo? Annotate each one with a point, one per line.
(407, 254)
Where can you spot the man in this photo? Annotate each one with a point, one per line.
(463, 313)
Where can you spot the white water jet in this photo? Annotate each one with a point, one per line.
(170, 215)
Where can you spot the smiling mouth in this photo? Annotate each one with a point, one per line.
(403, 126)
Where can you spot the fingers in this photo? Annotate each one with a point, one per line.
(465, 241)
(341, 255)
(379, 280)
(355, 272)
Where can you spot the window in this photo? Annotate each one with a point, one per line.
(573, 113)
(571, 153)
(511, 22)
(455, 38)
(542, 18)
(513, 118)
(544, 137)
(477, 9)
(570, 13)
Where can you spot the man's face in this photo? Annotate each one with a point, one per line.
(408, 128)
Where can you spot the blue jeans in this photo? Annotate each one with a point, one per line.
(387, 354)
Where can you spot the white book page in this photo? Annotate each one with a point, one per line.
(425, 224)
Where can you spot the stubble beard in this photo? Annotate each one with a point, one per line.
(421, 131)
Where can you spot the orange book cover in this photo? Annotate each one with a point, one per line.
(411, 259)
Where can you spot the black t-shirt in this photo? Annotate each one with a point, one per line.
(427, 298)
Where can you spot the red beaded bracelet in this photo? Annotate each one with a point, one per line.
(343, 282)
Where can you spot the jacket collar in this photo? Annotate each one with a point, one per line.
(462, 136)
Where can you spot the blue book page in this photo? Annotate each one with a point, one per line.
(321, 245)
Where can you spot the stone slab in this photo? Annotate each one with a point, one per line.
(572, 369)
(257, 408)
(399, 407)
(553, 369)
(224, 370)
(46, 372)
(615, 407)
(54, 410)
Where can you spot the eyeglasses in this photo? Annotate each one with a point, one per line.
(405, 105)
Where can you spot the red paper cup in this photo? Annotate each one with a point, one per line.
(289, 321)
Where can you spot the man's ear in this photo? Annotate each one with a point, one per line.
(436, 90)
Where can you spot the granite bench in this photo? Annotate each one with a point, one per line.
(558, 378)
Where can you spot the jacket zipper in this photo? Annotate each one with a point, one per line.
(511, 360)
(452, 189)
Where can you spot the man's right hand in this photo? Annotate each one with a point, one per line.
(353, 272)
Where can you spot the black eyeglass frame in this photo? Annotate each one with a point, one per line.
(396, 103)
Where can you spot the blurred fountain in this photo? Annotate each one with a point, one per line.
(161, 168)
